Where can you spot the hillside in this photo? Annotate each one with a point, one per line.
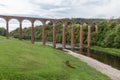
(21, 60)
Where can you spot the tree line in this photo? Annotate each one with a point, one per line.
(107, 36)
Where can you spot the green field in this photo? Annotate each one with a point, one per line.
(21, 60)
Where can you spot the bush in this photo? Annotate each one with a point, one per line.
(2, 31)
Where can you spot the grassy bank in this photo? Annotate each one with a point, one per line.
(111, 51)
(21, 60)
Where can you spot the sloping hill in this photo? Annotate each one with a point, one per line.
(21, 60)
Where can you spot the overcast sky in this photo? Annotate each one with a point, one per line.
(61, 8)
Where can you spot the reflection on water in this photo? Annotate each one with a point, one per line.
(111, 60)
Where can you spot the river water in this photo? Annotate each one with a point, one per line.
(113, 61)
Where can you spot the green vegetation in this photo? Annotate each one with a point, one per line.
(38, 33)
(21, 60)
(2, 31)
(112, 51)
(107, 37)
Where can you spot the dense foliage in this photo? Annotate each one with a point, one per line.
(108, 35)
(2, 31)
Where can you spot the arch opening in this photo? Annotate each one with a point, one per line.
(26, 29)
(68, 34)
(77, 35)
(14, 28)
(38, 30)
(49, 31)
(93, 34)
(85, 33)
(2, 27)
(59, 27)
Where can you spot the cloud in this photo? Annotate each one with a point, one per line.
(96, 2)
(2, 5)
(61, 8)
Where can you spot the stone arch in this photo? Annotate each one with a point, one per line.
(77, 22)
(92, 33)
(64, 23)
(59, 21)
(58, 31)
(14, 26)
(49, 31)
(81, 33)
(85, 31)
(78, 33)
(26, 26)
(5, 18)
(43, 31)
(38, 22)
(89, 37)
(38, 27)
(7, 25)
(2, 22)
(13, 23)
(10, 18)
(2, 19)
(69, 34)
(26, 20)
(54, 33)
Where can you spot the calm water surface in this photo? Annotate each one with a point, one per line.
(113, 61)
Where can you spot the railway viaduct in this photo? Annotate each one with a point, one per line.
(54, 22)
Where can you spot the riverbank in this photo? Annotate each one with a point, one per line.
(114, 74)
(112, 51)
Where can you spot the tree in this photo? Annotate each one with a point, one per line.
(2, 31)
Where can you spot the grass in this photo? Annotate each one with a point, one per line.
(21, 60)
(111, 51)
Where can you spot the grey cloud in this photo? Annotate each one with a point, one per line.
(96, 2)
(44, 6)
(63, 4)
(67, 2)
(74, 8)
(48, 6)
(93, 3)
(2, 5)
(51, 8)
